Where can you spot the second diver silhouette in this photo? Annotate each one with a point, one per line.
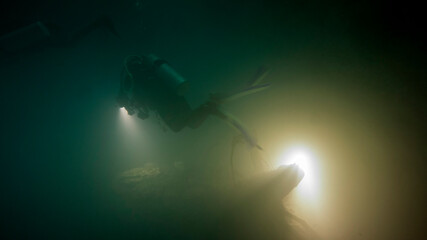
(40, 35)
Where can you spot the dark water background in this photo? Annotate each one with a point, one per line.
(349, 77)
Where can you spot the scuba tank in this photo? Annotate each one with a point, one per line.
(168, 75)
(158, 68)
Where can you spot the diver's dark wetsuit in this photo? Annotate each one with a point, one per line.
(143, 90)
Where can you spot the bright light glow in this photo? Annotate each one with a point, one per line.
(124, 113)
(307, 161)
(301, 159)
(126, 120)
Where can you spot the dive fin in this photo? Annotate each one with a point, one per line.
(244, 92)
(261, 73)
(252, 86)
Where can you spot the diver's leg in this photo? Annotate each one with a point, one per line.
(179, 114)
(175, 113)
(199, 115)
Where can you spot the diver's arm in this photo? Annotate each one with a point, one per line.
(64, 39)
(199, 115)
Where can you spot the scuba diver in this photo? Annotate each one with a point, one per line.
(39, 35)
(149, 83)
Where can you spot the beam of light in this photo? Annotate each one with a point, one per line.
(124, 114)
(132, 141)
(127, 123)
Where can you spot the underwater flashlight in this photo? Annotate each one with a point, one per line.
(306, 160)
